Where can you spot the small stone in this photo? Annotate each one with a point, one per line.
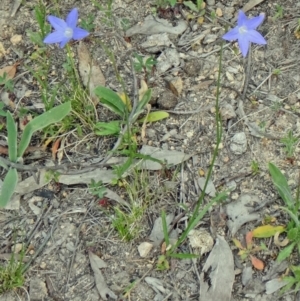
(167, 100)
(193, 67)
(17, 248)
(219, 12)
(210, 38)
(37, 289)
(144, 248)
(43, 265)
(227, 111)
(210, 2)
(238, 143)
(16, 39)
(201, 241)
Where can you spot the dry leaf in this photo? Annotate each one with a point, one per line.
(89, 71)
(54, 148)
(143, 89)
(10, 71)
(96, 265)
(279, 243)
(60, 151)
(249, 237)
(257, 263)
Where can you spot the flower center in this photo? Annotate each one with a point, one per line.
(68, 32)
(243, 29)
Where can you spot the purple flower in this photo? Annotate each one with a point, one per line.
(245, 32)
(65, 30)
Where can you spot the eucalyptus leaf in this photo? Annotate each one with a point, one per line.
(282, 186)
(8, 187)
(54, 115)
(111, 100)
(11, 137)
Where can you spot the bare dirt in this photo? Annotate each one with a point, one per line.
(70, 224)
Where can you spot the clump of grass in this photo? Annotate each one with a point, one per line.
(11, 273)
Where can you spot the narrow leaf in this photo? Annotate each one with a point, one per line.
(52, 116)
(257, 263)
(11, 137)
(191, 5)
(165, 227)
(237, 243)
(111, 100)
(8, 187)
(145, 99)
(249, 237)
(281, 184)
(267, 231)
(155, 116)
(286, 252)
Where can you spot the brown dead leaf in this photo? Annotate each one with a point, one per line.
(257, 263)
(89, 71)
(60, 151)
(54, 148)
(10, 71)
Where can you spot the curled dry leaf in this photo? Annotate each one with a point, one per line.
(89, 71)
(279, 243)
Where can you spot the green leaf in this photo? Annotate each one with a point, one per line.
(267, 231)
(191, 6)
(8, 187)
(111, 100)
(286, 252)
(107, 128)
(165, 227)
(52, 116)
(183, 256)
(146, 98)
(11, 137)
(292, 234)
(155, 116)
(281, 184)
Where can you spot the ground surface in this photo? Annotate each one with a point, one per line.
(70, 221)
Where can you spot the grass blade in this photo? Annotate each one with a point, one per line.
(52, 116)
(11, 137)
(8, 187)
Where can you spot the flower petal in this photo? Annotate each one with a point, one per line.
(254, 22)
(54, 37)
(255, 37)
(243, 44)
(242, 18)
(79, 33)
(72, 18)
(64, 42)
(231, 35)
(57, 23)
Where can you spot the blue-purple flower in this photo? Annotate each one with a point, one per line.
(245, 32)
(65, 30)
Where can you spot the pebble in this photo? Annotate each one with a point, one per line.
(238, 143)
(144, 248)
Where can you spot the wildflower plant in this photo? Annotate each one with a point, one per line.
(65, 30)
(245, 32)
